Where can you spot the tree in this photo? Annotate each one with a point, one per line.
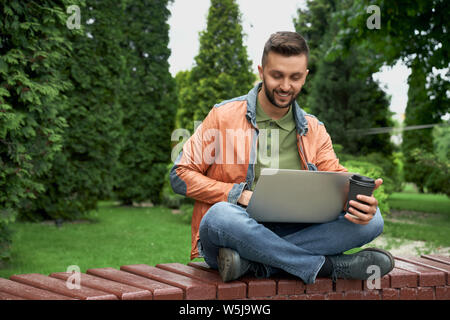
(92, 139)
(32, 98)
(408, 30)
(148, 101)
(342, 92)
(419, 110)
(222, 70)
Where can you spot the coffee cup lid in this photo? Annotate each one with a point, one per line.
(362, 179)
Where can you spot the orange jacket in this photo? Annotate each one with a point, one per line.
(217, 162)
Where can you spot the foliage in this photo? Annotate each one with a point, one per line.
(92, 140)
(441, 141)
(148, 101)
(409, 30)
(419, 110)
(437, 179)
(342, 93)
(391, 174)
(222, 69)
(32, 54)
(415, 32)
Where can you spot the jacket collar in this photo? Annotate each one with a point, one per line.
(301, 123)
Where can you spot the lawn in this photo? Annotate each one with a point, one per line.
(415, 216)
(117, 236)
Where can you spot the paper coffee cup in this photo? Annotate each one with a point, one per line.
(359, 185)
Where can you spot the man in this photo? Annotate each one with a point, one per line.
(220, 175)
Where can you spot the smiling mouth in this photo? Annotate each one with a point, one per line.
(283, 95)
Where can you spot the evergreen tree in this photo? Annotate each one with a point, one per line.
(419, 110)
(222, 70)
(32, 54)
(342, 93)
(82, 171)
(148, 101)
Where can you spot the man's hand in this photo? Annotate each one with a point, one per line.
(363, 213)
(245, 197)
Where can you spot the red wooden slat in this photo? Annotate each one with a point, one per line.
(28, 292)
(193, 289)
(120, 290)
(430, 264)
(58, 286)
(427, 276)
(441, 259)
(160, 291)
(225, 291)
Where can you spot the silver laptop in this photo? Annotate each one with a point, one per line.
(298, 196)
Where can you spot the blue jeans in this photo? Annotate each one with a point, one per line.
(296, 248)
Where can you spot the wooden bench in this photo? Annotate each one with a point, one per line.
(422, 278)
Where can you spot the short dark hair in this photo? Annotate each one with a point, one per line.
(286, 43)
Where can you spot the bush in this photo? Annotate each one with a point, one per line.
(438, 180)
(373, 171)
(391, 166)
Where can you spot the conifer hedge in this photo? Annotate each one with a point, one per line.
(33, 51)
(86, 113)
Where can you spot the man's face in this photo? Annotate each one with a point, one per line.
(283, 78)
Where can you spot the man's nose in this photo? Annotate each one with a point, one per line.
(285, 85)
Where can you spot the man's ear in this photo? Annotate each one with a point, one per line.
(261, 74)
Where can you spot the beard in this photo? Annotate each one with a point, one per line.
(270, 94)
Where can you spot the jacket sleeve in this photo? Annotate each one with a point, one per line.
(188, 174)
(326, 159)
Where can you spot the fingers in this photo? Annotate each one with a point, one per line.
(362, 213)
(378, 183)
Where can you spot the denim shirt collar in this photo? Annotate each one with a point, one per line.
(299, 115)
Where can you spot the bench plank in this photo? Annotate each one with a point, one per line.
(427, 276)
(28, 292)
(58, 286)
(160, 291)
(225, 291)
(120, 290)
(193, 289)
(430, 264)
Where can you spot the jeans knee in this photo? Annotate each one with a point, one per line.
(217, 215)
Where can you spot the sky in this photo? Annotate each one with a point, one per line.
(260, 18)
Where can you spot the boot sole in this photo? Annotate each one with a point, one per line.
(227, 261)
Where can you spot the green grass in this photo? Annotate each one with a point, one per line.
(416, 216)
(432, 203)
(118, 236)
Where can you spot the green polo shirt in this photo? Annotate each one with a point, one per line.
(288, 157)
